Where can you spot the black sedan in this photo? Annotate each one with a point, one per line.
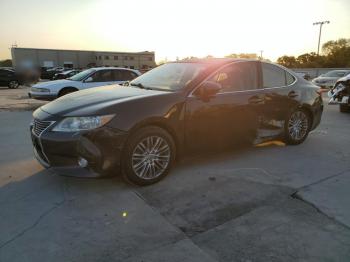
(65, 74)
(139, 130)
(8, 77)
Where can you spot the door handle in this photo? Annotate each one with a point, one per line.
(292, 94)
(256, 100)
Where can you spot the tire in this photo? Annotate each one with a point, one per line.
(344, 108)
(139, 165)
(66, 91)
(297, 127)
(13, 84)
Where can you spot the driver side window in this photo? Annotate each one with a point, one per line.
(240, 76)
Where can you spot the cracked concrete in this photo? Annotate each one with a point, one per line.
(230, 206)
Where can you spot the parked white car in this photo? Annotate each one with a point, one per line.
(328, 79)
(89, 78)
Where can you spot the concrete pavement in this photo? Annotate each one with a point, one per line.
(249, 204)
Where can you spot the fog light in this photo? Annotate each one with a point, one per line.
(82, 162)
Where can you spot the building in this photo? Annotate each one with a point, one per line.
(35, 57)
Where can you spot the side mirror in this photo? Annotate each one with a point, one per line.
(207, 90)
(88, 80)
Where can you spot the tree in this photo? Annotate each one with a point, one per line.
(288, 61)
(6, 63)
(310, 60)
(243, 55)
(337, 52)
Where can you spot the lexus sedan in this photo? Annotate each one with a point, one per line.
(139, 130)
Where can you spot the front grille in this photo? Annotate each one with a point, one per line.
(40, 126)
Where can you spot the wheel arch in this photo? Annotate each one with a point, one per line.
(165, 126)
(67, 88)
(308, 110)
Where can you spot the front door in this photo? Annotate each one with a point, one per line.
(231, 115)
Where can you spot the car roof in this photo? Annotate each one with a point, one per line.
(68, 71)
(218, 61)
(7, 69)
(114, 68)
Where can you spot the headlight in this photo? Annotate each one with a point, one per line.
(44, 90)
(73, 124)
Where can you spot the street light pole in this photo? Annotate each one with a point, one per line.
(319, 36)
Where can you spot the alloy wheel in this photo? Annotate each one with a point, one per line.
(151, 157)
(13, 84)
(298, 125)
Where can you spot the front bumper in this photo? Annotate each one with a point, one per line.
(61, 151)
(339, 95)
(42, 96)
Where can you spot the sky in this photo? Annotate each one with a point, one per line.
(173, 28)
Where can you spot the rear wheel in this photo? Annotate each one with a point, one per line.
(148, 156)
(297, 127)
(344, 108)
(13, 84)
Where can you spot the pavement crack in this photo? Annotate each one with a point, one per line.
(42, 216)
(320, 181)
(298, 197)
(37, 221)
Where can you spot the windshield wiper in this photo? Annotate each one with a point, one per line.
(139, 85)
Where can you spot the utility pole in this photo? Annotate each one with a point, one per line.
(319, 36)
(261, 54)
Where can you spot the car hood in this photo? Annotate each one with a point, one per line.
(48, 84)
(95, 99)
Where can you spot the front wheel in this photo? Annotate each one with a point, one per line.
(13, 84)
(297, 127)
(148, 156)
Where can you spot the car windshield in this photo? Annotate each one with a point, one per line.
(82, 75)
(170, 77)
(336, 73)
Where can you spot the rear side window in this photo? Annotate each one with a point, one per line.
(124, 75)
(237, 77)
(289, 78)
(274, 76)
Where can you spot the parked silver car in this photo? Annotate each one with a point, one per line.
(328, 79)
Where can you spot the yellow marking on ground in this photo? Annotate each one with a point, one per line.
(271, 143)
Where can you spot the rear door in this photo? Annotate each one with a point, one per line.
(231, 115)
(122, 76)
(281, 96)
